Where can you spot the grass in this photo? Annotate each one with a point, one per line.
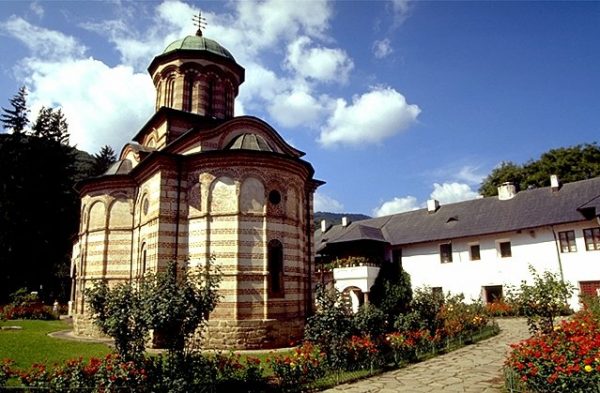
(33, 345)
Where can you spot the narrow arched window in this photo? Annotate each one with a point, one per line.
(210, 97)
(170, 93)
(275, 262)
(188, 93)
(142, 262)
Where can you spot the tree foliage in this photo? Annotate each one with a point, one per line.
(51, 125)
(16, 119)
(391, 292)
(39, 209)
(103, 160)
(174, 302)
(570, 164)
(542, 301)
(331, 326)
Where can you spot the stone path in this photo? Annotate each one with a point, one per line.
(474, 368)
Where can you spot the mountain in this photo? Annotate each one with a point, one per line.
(336, 218)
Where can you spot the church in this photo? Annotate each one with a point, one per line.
(195, 183)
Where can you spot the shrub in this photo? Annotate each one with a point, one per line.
(363, 353)
(26, 305)
(391, 292)
(425, 312)
(178, 302)
(120, 313)
(175, 303)
(564, 360)
(304, 365)
(459, 318)
(406, 346)
(499, 308)
(542, 301)
(6, 371)
(110, 374)
(330, 327)
(370, 321)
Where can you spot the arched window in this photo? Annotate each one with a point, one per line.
(275, 261)
(228, 102)
(170, 93)
(188, 93)
(210, 97)
(142, 262)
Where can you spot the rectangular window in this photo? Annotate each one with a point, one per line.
(505, 251)
(475, 255)
(592, 239)
(492, 293)
(567, 241)
(397, 257)
(437, 292)
(446, 253)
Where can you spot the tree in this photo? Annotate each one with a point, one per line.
(16, 119)
(39, 210)
(330, 327)
(174, 302)
(103, 160)
(51, 125)
(542, 301)
(391, 292)
(570, 164)
(179, 301)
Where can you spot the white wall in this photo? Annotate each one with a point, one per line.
(535, 247)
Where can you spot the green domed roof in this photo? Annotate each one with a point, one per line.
(195, 42)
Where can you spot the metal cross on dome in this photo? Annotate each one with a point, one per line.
(199, 21)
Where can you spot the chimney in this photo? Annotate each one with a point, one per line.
(554, 184)
(432, 205)
(323, 226)
(345, 221)
(506, 191)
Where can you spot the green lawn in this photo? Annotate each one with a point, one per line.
(33, 345)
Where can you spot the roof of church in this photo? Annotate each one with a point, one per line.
(249, 142)
(195, 42)
(577, 201)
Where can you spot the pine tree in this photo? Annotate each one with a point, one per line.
(103, 160)
(16, 119)
(51, 125)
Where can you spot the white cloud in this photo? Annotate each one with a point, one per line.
(452, 192)
(401, 9)
(325, 203)
(382, 48)
(295, 108)
(37, 9)
(103, 105)
(285, 75)
(43, 43)
(445, 193)
(371, 118)
(396, 205)
(469, 174)
(318, 63)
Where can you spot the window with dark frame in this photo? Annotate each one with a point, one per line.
(397, 257)
(275, 262)
(446, 253)
(475, 252)
(567, 241)
(505, 251)
(592, 239)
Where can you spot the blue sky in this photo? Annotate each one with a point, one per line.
(394, 102)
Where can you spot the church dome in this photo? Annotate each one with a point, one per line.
(249, 142)
(199, 43)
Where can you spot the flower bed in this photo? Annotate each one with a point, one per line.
(565, 360)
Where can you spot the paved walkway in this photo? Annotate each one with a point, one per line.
(475, 368)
